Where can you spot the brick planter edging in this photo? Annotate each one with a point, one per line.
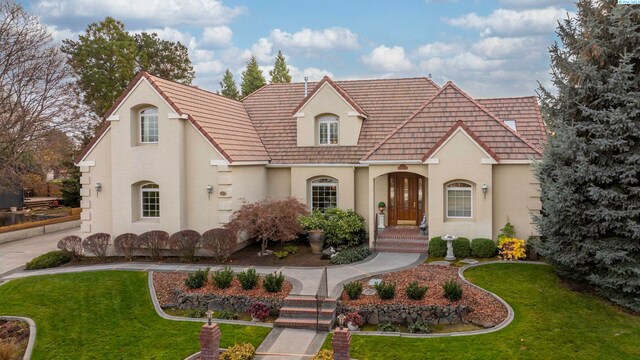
(32, 333)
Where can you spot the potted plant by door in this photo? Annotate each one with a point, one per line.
(314, 224)
(381, 207)
(354, 321)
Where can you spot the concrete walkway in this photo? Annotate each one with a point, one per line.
(17, 253)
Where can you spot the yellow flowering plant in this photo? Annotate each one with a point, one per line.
(511, 248)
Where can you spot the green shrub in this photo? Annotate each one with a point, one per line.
(324, 354)
(419, 328)
(280, 254)
(273, 282)
(223, 278)
(415, 291)
(196, 280)
(452, 290)
(248, 279)
(195, 313)
(239, 352)
(227, 315)
(483, 248)
(49, 260)
(437, 247)
(388, 327)
(342, 228)
(508, 231)
(386, 290)
(291, 249)
(353, 289)
(351, 255)
(461, 247)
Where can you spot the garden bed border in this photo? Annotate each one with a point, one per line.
(32, 333)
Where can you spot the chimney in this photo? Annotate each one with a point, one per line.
(429, 76)
(306, 84)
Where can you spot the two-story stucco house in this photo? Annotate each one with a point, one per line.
(174, 157)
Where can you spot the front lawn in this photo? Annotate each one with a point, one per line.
(551, 322)
(105, 315)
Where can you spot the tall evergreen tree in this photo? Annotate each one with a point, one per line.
(163, 58)
(280, 72)
(590, 173)
(252, 78)
(228, 86)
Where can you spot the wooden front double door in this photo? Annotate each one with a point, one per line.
(406, 200)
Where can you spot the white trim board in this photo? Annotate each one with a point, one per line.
(133, 89)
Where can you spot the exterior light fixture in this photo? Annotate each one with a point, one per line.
(209, 190)
(341, 319)
(98, 188)
(485, 188)
(209, 316)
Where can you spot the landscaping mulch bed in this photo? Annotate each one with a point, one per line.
(304, 257)
(166, 283)
(14, 332)
(485, 307)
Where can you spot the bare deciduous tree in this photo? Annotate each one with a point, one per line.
(35, 89)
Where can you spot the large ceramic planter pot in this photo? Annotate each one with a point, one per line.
(316, 241)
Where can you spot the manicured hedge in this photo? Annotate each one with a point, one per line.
(483, 248)
(462, 247)
(49, 260)
(437, 247)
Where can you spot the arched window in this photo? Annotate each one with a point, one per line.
(328, 130)
(150, 200)
(148, 126)
(459, 200)
(324, 193)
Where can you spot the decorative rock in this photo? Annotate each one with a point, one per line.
(484, 324)
(402, 314)
(328, 253)
(441, 263)
(217, 302)
(369, 291)
(469, 261)
(374, 282)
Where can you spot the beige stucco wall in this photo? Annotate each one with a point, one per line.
(516, 195)
(362, 193)
(96, 207)
(327, 101)
(278, 183)
(346, 183)
(460, 159)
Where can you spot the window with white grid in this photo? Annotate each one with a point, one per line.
(149, 126)
(459, 200)
(150, 200)
(328, 130)
(324, 193)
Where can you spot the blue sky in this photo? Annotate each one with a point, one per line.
(488, 48)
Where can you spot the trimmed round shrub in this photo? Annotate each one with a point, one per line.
(239, 352)
(248, 279)
(220, 243)
(223, 278)
(342, 228)
(353, 289)
(273, 282)
(452, 290)
(49, 260)
(437, 247)
(97, 244)
(72, 245)
(415, 291)
(461, 247)
(155, 241)
(126, 244)
(483, 248)
(351, 255)
(386, 290)
(186, 242)
(196, 280)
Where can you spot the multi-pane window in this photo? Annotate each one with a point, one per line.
(328, 130)
(150, 199)
(324, 193)
(149, 125)
(459, 200)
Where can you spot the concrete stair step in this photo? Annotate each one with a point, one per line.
(403, 242)
(309, 302)
(402, 249)
(306, 313)
(296, 323)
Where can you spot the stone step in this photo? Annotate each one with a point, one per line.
(309, 302)
(401, 250)
(306, 312)
(403, 242)
(296, 323)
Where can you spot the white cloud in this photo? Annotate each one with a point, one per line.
(512, 22)
(438, 49)
(209, 67)
(388, 59)
(262, 50)
(313, 73)
(152, 13)
(329, 38)
(218, 36)
(171, 34)
(496, 47)
(534, 3)
(61, 34)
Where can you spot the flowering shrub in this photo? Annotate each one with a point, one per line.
(258, 310)
(324, 354)
(355, 319)
(244, 351)
(512, 249)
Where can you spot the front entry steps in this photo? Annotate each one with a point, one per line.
(301, 312)
(402, 239)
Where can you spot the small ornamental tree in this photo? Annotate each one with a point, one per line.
(269, 220)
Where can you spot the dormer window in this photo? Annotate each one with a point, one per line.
(328, 129)
(149, 126)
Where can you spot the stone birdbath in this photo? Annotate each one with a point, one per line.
(449, 239)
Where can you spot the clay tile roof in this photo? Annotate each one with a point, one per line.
(224, 122)
(427, 126)
(385, 101)
(345, 95)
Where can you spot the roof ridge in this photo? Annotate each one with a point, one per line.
(255, 92)
(343, 93)
(192, 87)
(404, 122)
(498, 120)
(508, 97)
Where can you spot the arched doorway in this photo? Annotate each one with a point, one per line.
(406, 198)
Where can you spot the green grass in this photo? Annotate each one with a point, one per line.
(550, 322)
(105, 315)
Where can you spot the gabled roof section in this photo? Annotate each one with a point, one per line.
(423, 130)
(222, 121)
(345, 95)
(459, 125)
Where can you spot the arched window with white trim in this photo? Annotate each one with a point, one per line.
(148, 125)
(328, 130)
(150, 201)
(324, 193)
(459, 200)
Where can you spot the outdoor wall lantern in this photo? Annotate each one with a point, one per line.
(209, 316)
(98, 188)
(341, 318)
(485, 188)
(209, 190)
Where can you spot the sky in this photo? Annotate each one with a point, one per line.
(489, 48)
